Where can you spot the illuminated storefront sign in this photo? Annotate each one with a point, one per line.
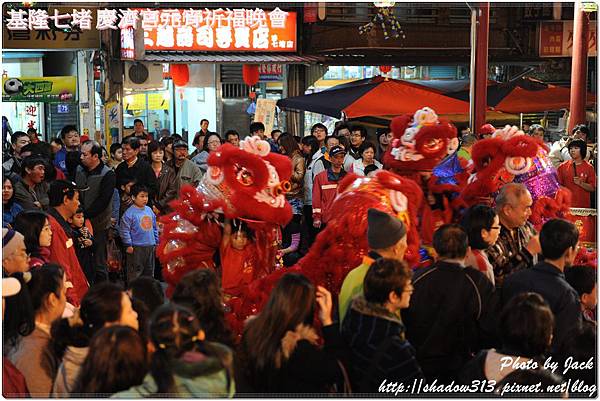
(44, 89)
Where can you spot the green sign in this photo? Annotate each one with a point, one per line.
(43, 89)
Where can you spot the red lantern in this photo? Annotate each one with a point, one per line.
(385, 68)
(180, 73)
(250, 74)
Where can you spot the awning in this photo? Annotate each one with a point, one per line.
(237, 58)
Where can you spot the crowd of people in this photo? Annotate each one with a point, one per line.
(85, 314)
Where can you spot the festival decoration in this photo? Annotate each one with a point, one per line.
(385, 68)
(384, 17)
(180, 73)
(251, 75)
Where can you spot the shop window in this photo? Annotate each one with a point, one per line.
(334, 72)
(352, 72)
(152, 107)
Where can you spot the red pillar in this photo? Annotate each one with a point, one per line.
(581, 28)
(481, 65)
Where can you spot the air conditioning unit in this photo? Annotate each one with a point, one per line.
(143, 76)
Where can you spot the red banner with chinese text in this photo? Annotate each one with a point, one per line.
(556, 39)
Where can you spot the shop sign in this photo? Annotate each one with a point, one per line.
(128, 44)
(556, 39)
(44, 89)
(219, 30)
(265, 113)
(52, 28)
(270, 72)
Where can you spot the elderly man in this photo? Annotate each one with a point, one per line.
(518, 243)
(14, 254)
(187, 171)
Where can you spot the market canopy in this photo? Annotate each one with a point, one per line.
(524, 95)
(375, 97)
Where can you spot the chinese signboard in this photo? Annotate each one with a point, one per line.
(219, 30)
(128, 44)
(55, 28)
(44, 89)
(270, 72)
(556, 39)
(265, 113)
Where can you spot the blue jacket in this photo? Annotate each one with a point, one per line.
(138, 227)
(60, 159)
(8, 216)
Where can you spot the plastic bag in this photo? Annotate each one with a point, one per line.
(114, 258)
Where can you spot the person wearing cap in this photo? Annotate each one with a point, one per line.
(448, 319)
(386, 236)
(64, 202)
(577, 175)
(187, 171)
(133, 167)
(97, 200)
(325, 186)
(13, 382)
(14, 252)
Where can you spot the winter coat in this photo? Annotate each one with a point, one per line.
(304, 367)
(68, 371)
(324, 193)
(13, 382)
(309, 177)
(10, 213)
(26, 197)
(548, 281)
(357, 167)
(143, 174)
(297, 178)
(353, 283)
(188, 173)
(379, 348)
(196, 375)
(449, 317)
(167, 188)
(35, 361)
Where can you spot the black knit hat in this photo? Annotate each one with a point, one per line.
(384, 230)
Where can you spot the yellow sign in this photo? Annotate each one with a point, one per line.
(156, 101)
(589, 7)
(39, 89)
(265, 113)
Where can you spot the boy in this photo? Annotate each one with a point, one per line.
(139, 234)
(84, 244)
(583, 280)
(237, 257)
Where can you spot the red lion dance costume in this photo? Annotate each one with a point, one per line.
(249, 183)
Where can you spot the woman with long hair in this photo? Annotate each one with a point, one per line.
(289, 147)
(10, 208)
(47, 290)
(183, 364)
(200, 291)
(35, 227)
(279, 352)
(105, 304)
(167, 179)
(116, 361)
(212, 141)
(482, 225)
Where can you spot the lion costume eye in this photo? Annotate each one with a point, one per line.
(243, 175)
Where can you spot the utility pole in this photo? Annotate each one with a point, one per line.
(581, 28)
(480, 27)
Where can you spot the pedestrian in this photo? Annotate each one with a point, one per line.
(559, 151)
(559, 241)
(233, 137)
(367, 158)
(374, 330)
(15, 258)
(312, 153)
(451, 308)
(125, 200)
(67, 158)
(33, 355)
(64, 202)
(257, 129)
(518, 243)
(37, 233)
(139, 233)
(13, 382)
(279, 352)
(10, 207)
(324, 161)
(200, 291)
(83, 237)
(325, 187)
(116, 360)
(105, 304)
(149, 291)
(56, 144)
(32, 190)
(188, 173)
(96, 203)
(116, 155)
(358, 135)
(578, 175)
(482, 225)
(295, 195)
(583, 280)
(238, 252)
(525, 331)
(135, 168)
(386, 236)
(138, 129)
(183, 364)
(12, 166)
(319, 131)
(198, 144)
(144, 149)
(167, 179)
(212, 141)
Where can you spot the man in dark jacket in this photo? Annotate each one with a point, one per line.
(375, 333)
(559, 240)
(135, 168)
(449, 316)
